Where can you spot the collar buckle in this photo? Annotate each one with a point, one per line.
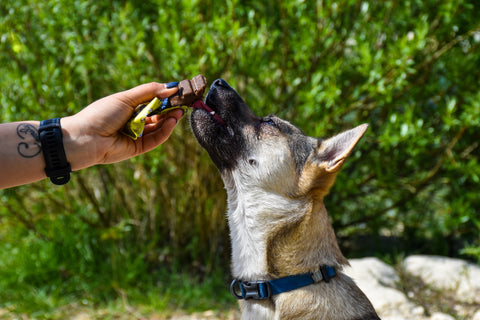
(324, 273)
(261, 290)
(257, 290)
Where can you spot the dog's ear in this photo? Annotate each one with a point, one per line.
(323, 164)
(333, 152)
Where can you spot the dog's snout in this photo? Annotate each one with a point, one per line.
(220, 83)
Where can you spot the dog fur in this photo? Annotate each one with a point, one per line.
(276, 178)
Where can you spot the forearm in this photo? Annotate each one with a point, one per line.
(21, 157)
(89, 137)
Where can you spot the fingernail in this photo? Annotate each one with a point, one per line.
(171, 85)
(176, 121)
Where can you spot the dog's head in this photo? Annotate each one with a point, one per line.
(267, 152)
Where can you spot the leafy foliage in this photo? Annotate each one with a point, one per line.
(408, 68)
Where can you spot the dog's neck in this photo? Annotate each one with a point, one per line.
(275, 236)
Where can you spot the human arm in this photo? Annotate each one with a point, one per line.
(90, 137)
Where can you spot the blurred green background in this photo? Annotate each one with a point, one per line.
(153, 229)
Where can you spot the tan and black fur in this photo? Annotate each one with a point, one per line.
(276, 178)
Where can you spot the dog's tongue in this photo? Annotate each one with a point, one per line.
(200, 105)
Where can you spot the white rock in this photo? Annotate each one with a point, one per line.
(418, 311)
(377, 280)
(476, 316)
(441, 316)
(449, 274)
(373, 269)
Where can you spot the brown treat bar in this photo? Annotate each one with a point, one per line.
(189, 91)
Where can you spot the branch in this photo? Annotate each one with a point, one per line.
(416, 187)
(93, 201)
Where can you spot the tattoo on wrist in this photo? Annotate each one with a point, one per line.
(31, 145)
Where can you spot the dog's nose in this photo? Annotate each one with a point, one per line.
(220, 83)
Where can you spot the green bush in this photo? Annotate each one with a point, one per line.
(408, 68)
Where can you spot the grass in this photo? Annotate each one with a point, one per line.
(165, 294)
(119, 311)
(45, 279)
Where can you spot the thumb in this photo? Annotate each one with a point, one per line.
(146, 92)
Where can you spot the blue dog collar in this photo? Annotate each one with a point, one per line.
(261, 290)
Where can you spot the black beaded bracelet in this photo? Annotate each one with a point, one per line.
(57, 167)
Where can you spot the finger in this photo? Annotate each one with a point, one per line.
(159, 135)
(151, 125)
(176, 113)
(154, 119)
(145, 92)
(155, 122)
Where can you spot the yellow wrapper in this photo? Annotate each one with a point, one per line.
(135, 126)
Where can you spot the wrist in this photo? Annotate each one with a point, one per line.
(57, 167)
(79, 146)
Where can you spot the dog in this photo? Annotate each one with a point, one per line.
(285, 258)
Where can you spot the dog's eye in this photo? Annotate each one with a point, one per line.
(269, 122)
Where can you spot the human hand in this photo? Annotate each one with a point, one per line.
(93, 136)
